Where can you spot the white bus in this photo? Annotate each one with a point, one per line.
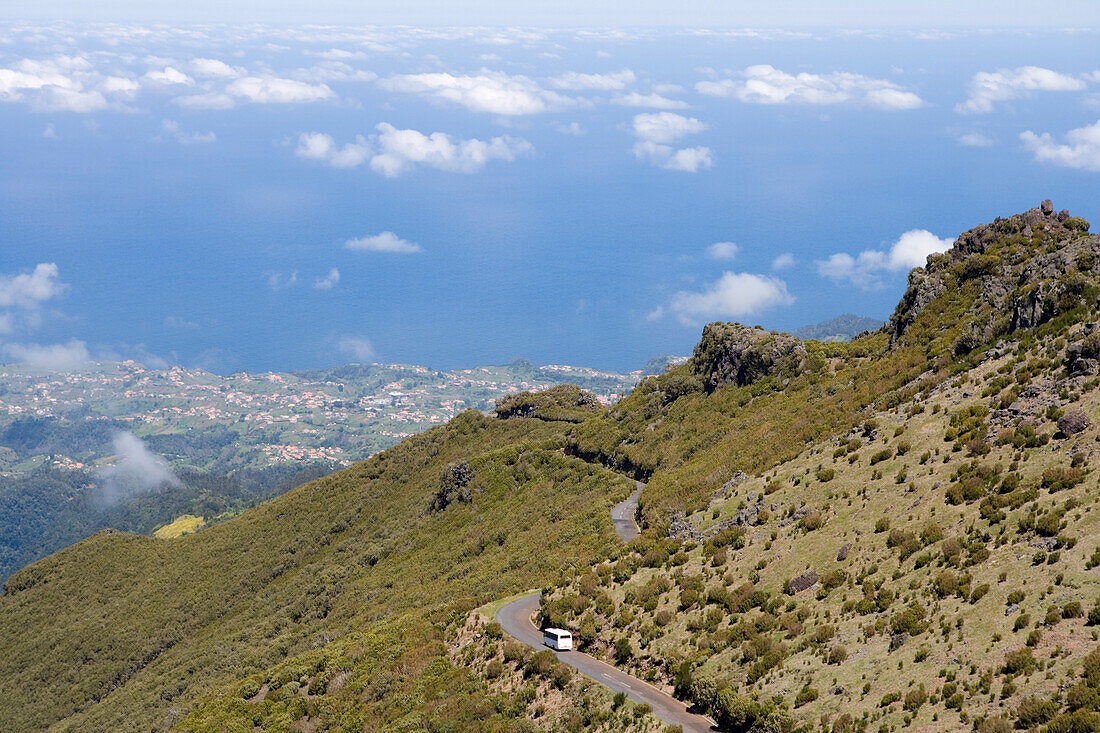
(559, 639)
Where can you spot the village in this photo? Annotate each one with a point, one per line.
(333, 416)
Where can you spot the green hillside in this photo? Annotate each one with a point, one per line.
(891, 533)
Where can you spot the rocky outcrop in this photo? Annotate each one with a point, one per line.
(1029, 267)
(565, 402)
(730, 353)
(1082, 356)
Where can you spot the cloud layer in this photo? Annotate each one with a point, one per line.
(989, 87)
(655, 130)
(764, 84)
(488, 91)
(391, 152)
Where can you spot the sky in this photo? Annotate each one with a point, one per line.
(263, 193)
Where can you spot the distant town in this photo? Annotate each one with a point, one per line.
(333, 416)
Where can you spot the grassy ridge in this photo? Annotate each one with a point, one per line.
(138, 628)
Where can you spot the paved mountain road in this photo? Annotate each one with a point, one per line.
(515, 618)
(622, 515)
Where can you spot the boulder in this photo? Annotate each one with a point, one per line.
(1073, 422)
(801, 582)
(1047, 207)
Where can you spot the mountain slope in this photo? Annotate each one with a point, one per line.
(928, 564)
(137, 627)
(345, 604)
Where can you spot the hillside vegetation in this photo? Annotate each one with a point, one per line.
(888, 533)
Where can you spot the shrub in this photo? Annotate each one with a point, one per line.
(915, 698)
(623, 650)
(805, 695)
(742, 714)
(1034, 711)
(540, 664)
(883, 455)
(1019, 661)
(515, 651)
(995, 724)
(812, 521)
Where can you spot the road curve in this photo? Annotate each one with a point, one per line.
(515, 618)
(622, 515)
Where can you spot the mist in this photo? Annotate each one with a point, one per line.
(136, 470)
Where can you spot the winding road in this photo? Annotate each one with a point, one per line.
(516, 619)
(622, 515)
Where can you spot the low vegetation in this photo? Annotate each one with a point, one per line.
(897, 532)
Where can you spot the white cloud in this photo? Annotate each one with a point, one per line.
(186, 138)
(734, 295)
(975, 140)
(214, 68)
(30, 289)
(277, 281)
(1081, 149)
(356, 347)
(49, 133)
(329, 281)
(65, 357)
(910, 250)
(168, 76)
(383, 242)
(62, 84)
(654, 100)
(339, 54)
(573, 128)
(489, 91)
(319, 146)
(392, 151)
(657, 128)
(689, 160)
(665, 127)
(274, 90)
(783, 261)
(986, 88)
(599, 82)
(764, 84)
(136, 470)
(179, 324)
(334, 71)
(207, 100)
(722, 251)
